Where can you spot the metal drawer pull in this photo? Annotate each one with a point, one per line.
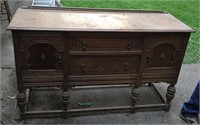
(82, 68)
(129, 46)
(125, 67)
(84, 46)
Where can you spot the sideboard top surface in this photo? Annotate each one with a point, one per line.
(79, 19)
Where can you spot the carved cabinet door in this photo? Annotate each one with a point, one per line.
(164, 54)
(41, 56)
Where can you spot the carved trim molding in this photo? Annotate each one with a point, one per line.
(155, 40)
(28, 40)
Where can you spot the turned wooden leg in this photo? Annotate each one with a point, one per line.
(65, 102)
(21, 102)
(170, 95)
(134, 97)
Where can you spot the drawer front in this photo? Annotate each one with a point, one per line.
(97, 65)
(105, 42)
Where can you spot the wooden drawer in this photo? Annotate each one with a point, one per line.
(105, 42)
(97, 65)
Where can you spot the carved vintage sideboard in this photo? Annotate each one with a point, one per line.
(66, 47)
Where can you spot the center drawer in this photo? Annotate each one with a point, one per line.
(105, 42)
(97, 65)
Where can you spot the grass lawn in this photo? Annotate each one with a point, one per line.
(185, 10)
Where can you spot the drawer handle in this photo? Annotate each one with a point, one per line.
(84, 46)
(129, 46)
(125, 67)
(82, 68)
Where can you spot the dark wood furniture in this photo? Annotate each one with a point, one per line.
(66, 47)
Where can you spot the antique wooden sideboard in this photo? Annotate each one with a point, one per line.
(66, 47)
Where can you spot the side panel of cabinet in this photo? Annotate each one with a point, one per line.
(164, 56)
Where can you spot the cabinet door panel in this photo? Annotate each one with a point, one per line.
(41, 50)
(164, 54)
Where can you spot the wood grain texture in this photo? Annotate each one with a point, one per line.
(91, 20)
(97, 65)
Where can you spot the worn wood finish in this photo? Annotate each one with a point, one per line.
(106, 42)
(87, 65)
(92, 20)
(128, 47)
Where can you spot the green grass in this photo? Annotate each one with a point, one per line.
(185, 10)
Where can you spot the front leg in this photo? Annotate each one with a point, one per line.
(22, 103)
(65, 102)
(134, 96)
(170, 95)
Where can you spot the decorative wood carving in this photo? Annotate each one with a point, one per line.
(134, 44)
(162, 38)
(30, 44)
(163, 55)
(43, 56)
(106, 43)
(125, 67)
(27, 40)
(104, 65)
(163, 50)
(76, 43)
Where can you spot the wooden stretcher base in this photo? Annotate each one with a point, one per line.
(99, 110)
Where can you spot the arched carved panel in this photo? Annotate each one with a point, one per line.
(27, 40)
(163, 49)
(163, 55)
(41, 47)
(42, 56)
(175, 40)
